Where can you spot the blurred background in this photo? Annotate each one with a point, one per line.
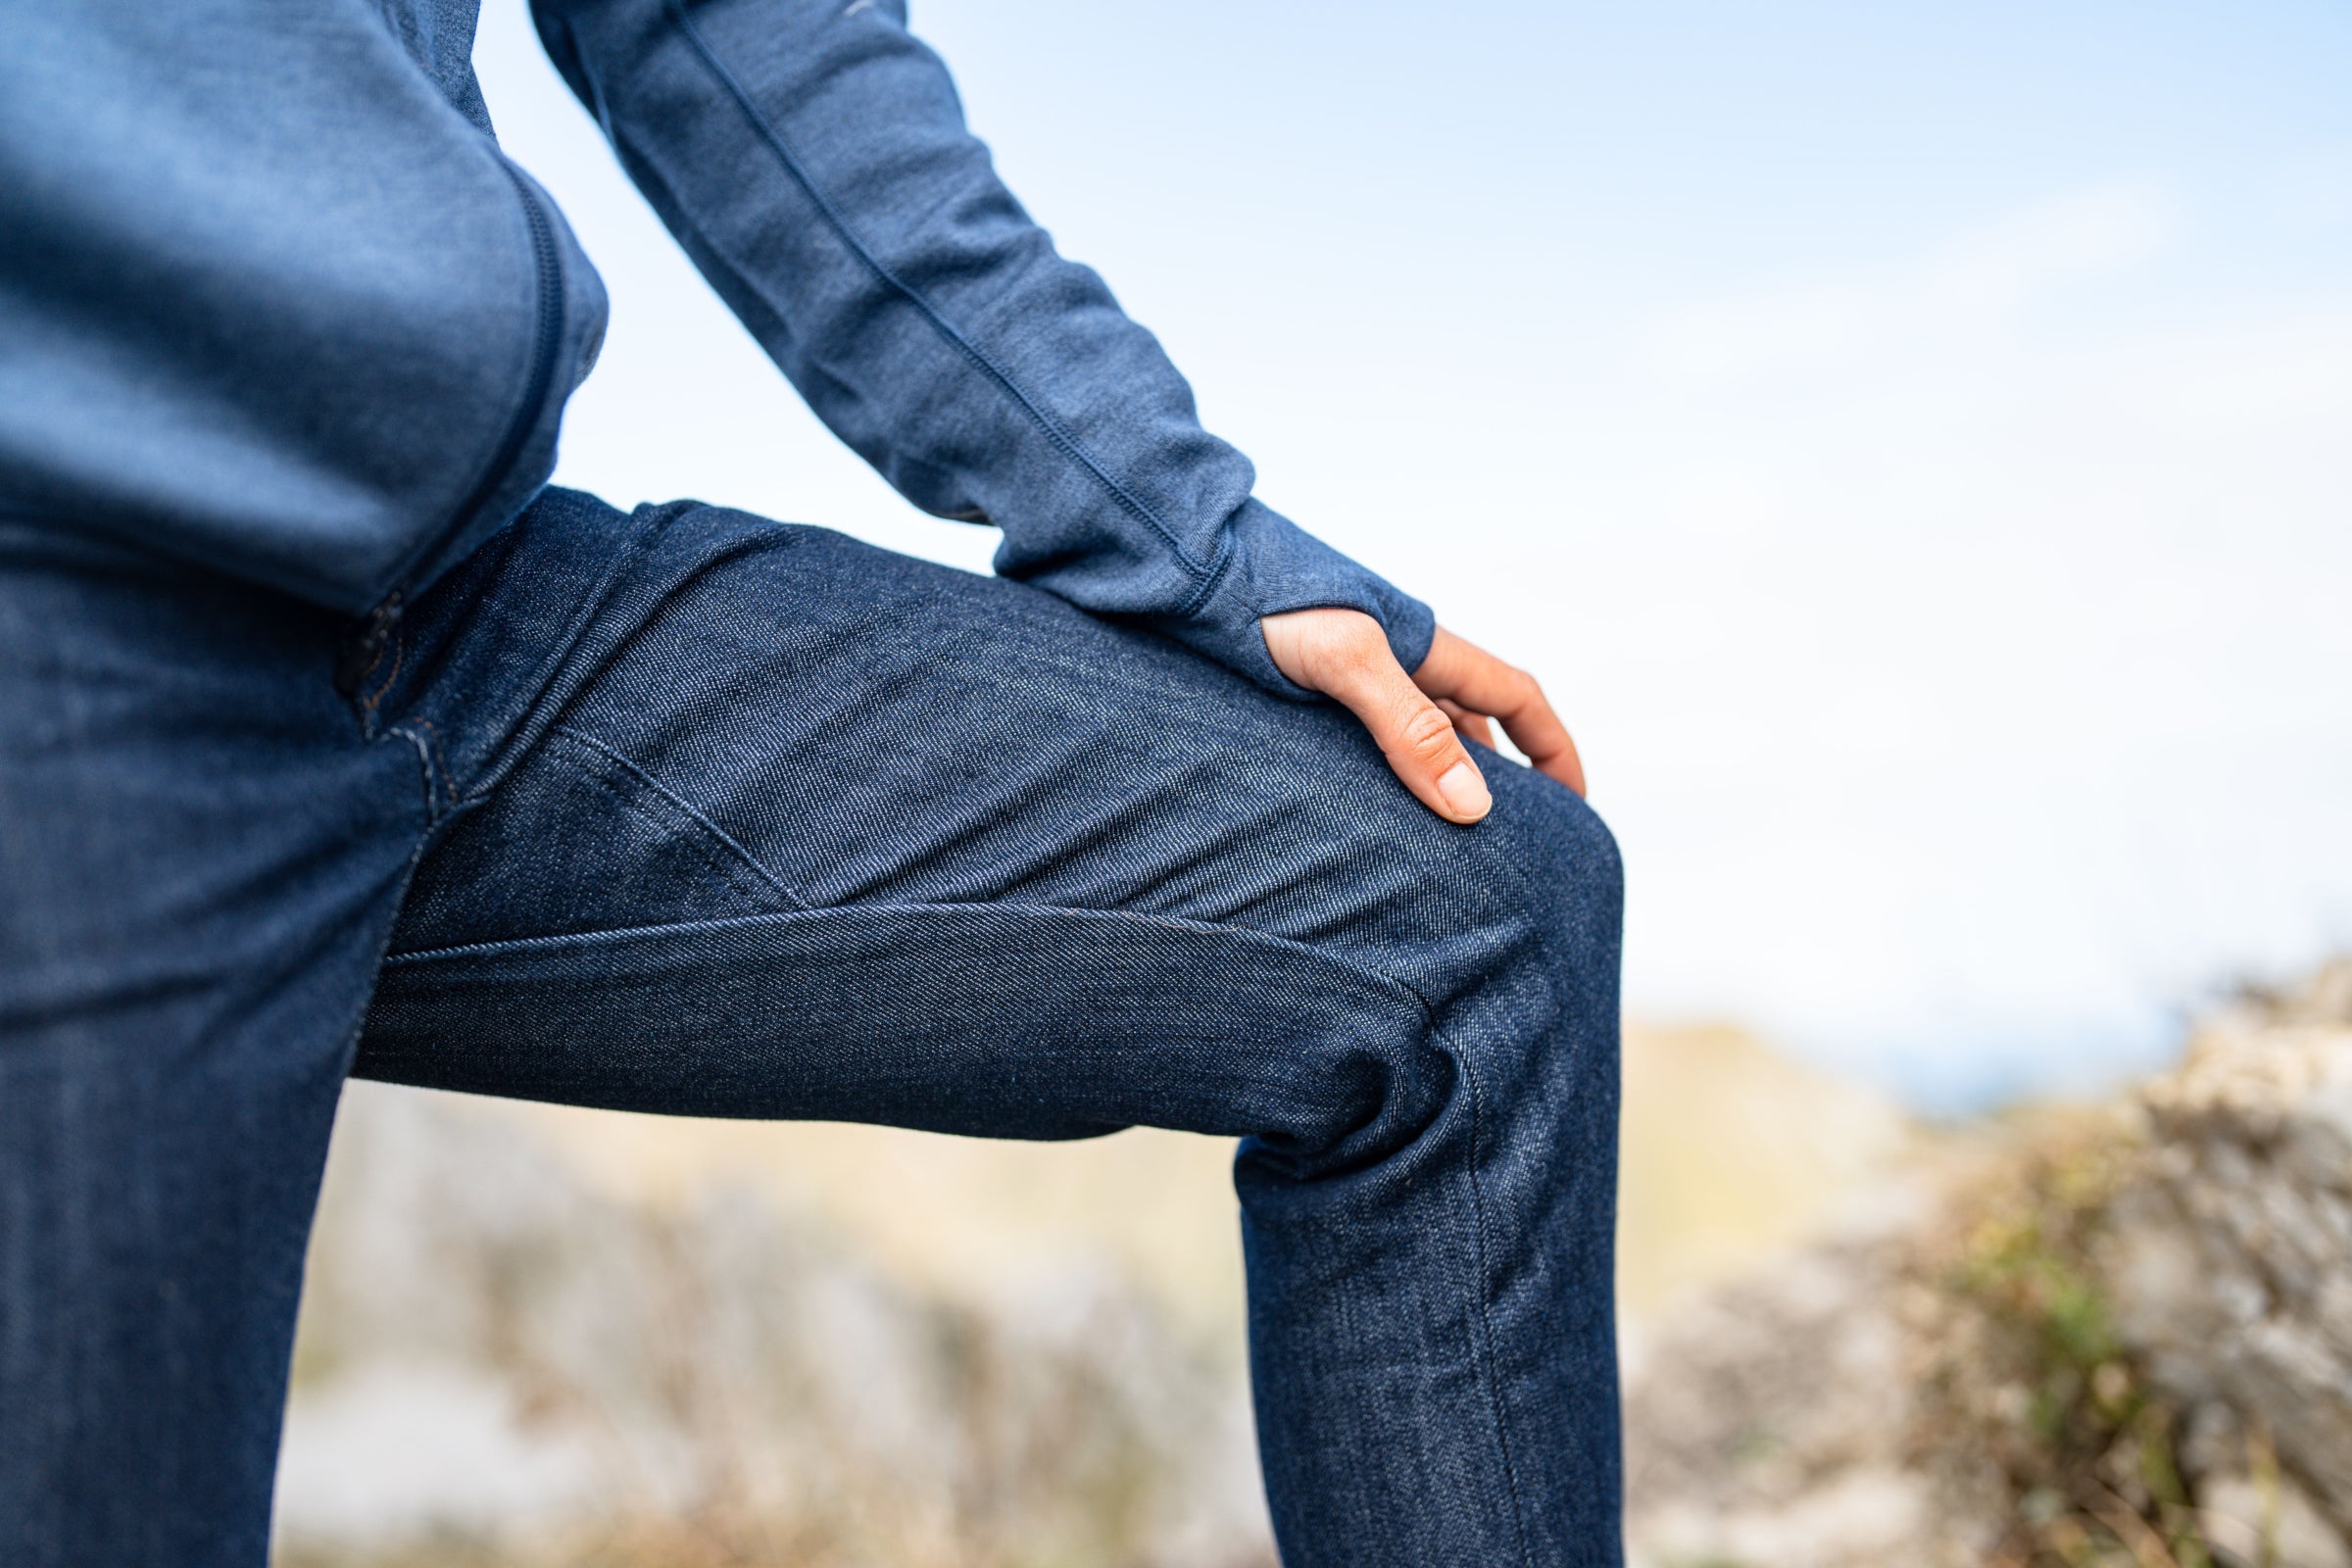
(1910, 444)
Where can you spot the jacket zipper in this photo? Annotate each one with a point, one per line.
(364, 647)
(365, 644)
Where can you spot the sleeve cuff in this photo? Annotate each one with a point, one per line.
(1271, 566)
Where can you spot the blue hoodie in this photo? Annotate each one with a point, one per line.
(274, 302)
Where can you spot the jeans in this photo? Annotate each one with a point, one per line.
(684, 810)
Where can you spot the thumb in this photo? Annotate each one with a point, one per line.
(1417, 737)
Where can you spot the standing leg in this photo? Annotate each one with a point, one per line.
(776, 824)
(200, 861)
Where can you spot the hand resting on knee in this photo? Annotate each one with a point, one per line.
(1419, 720)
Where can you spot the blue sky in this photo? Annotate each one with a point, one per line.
(1910, 442)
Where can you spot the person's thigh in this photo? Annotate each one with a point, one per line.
(801, 828)
(754, 820)
(201, 857)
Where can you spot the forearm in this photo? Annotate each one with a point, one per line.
(814, 161)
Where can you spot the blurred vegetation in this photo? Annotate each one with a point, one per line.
(2086, 1451)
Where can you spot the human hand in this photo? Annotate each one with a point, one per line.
(1415, 718)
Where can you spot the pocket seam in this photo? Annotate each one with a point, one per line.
(761, 889)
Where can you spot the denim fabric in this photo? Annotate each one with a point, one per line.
(689, 812)
(272, 300)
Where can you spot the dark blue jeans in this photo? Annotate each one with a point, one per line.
(688, 811)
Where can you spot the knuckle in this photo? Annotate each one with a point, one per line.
(1428, 734)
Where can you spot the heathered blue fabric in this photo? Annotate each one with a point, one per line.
(272, 301)
(684, 810)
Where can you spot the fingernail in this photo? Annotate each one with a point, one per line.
(1464, 792)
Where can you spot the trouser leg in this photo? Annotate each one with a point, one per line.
(200, 861)
(772, 824)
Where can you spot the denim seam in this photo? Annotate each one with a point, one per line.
(1550, 969)
(729, 874)
(367, 709)
(438, 755)
(611, 934)
(560, 684)
(791, 895)
(638, 809)
(502, 755)
(1052, 428)
(1507, 867)
(399, 652)
(1478, 1283)
(383, 948)
(435, 786)
(1478, 1292)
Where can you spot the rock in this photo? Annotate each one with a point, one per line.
(2250, 1523)
(2131, 1327)
(2231, 1255)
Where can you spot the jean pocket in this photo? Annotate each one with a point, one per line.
(580, 839)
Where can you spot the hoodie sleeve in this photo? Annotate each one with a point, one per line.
(811, 157)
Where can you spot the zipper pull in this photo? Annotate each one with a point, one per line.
(364, 647)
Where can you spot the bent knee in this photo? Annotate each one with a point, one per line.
(1545, 1012)
(1562, 857)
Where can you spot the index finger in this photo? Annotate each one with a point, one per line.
(1479, 681)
